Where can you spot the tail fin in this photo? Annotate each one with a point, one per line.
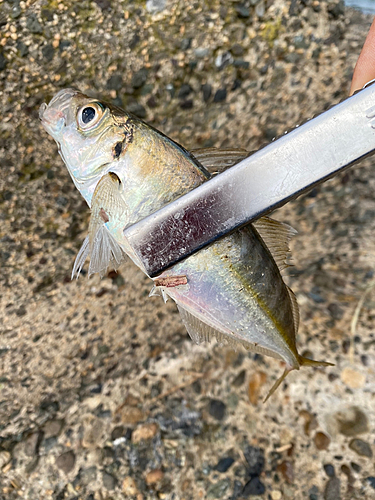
(277, 383)
(310, 362)
(302, 362)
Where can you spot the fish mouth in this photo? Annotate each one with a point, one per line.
(54, 115)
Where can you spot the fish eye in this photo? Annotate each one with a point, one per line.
(89, 115)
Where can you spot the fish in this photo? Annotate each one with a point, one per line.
(232, 290)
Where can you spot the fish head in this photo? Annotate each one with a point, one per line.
(86, 132)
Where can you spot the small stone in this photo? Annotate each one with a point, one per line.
(255, 460)
(224, 464)
(185, 44)
(109, 482)
(22, 48)
(355, 467)
(187, 104)
(239, 379)
(207, 91)
(361, 447)
(5, 458)
(242, 11)
(144, 432)
(139, 78)
(103, 4)
(88, 475)
(33, 25)
(66, 461)
(287, 470)
(184, 91)
(52, 428)
(48, 52)
(276, 495)
(371, 481)
(220, 95)
(155, 6)
(201, 52)
(332, 489)
(154, 476)
(217, 409)
(93, 432)
(321, 441)
(137, 109)
(352, 378)
(329, 470)
(115, 82)
(129, 487)
(223, 60)
(256, 382)
(218, 489)
(351, 421)
(32, 444)
(253, 487)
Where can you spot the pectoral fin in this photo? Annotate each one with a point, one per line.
(104, 251)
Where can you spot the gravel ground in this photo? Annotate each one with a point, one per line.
(103, 395)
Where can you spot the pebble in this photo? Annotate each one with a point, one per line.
(115, 82)
(66, 461)
(48, 52)
(276, 495)
(243, 12)
(207, 91)
(256, 382)
(223, 60)
(329, 470)
(287, 470)
(139, 78)
(154, 476)
(93, 432)
(155, 6)
(52, 428)
(253, 487)
(351, 421)
(137, 109)
(224, 464)
(144, 432)
(255, 460)
(217, 409)
(130, 415)
(109, 482)
(353, 378)
(88, 475)
(321, 440)
(32, 444)
(218, 489)
(5, 458)
(220, 95)
(33, 25)
(332, 489)
(129, 486)
(184, 91)
(361, 447)
(371, 481)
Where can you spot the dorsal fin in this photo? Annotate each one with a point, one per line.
(295, 309)
(217, 160)
(276, 235)
(201, 332)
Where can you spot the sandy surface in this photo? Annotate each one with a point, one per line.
(103, 394)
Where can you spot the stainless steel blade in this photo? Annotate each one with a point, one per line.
(286, 168)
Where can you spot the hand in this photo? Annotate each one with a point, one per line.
(364, 70)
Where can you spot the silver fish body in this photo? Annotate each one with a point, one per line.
(126, 170)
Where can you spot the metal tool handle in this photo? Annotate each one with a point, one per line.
(272, 176)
